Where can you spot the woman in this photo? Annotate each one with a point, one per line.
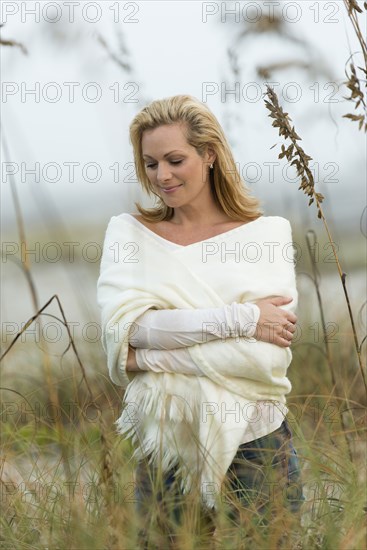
(198, 297)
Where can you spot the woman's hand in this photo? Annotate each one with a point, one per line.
(275, 325)
(131, 364)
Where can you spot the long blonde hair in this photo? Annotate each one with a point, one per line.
(202, 130)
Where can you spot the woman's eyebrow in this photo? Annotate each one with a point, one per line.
(166, 155)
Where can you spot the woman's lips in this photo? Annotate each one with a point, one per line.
(170, 189)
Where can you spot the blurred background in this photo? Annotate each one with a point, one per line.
(73, 76)
(81, 71)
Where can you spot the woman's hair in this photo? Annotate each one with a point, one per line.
(202, 130)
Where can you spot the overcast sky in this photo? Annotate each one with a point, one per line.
(172, 48)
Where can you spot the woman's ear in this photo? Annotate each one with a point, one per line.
(211, 154)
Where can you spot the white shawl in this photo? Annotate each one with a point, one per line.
(191, 421)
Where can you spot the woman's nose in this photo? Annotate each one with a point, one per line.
(163, 172)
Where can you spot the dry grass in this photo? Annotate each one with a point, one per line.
(92, 507)
(354, 81)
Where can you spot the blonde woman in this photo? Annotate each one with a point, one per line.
(198, 298)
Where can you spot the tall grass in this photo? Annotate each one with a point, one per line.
(94, 508)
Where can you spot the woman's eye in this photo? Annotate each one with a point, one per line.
(152, 165)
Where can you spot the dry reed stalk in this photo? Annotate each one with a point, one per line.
(300, 159)
(13, 43)
(53, 395)
(311, 250)
(353, 8)
(353, 83)
(106, 475)
(117, 58)
(65, 323)
(122, 58)
(25, 266)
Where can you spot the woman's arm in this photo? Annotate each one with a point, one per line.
(275, 325)
(176, 328)
(270, 328)
(178, 360)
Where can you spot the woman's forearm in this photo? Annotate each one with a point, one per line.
(172, 361)
(244, 358)
(178, 361)
(169, 329)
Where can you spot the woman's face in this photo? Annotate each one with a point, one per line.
(171, 163)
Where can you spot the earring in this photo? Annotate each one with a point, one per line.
(211, 166)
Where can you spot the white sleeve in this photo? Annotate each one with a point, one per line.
(165, 329)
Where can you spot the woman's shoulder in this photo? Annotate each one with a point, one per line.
(274, 220)
(141, 220)
(117, 223)
(279, 221)
(133, 215)
(277, 227)
(120, 217)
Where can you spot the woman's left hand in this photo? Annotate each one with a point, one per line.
(131, 364)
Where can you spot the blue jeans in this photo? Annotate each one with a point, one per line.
(263, 471)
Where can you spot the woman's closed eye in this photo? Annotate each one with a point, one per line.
(153, 164)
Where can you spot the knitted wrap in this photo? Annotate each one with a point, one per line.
(186, 420)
